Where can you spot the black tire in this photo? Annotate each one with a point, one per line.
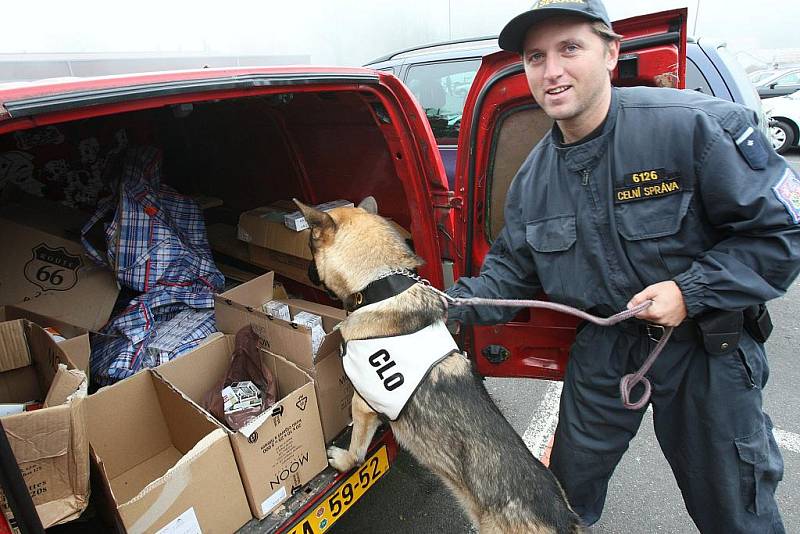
(781, 135)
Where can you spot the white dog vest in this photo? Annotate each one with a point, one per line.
(386, 371)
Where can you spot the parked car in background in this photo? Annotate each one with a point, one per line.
(784, 115)
(759, 75)
(440, 75)
(781, 83)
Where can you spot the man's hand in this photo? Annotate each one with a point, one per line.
(668, 308)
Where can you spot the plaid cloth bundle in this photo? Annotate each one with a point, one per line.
(156, 244)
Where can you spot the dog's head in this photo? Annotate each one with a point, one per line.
(353, 246)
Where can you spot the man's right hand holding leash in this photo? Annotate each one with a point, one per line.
(668, 308)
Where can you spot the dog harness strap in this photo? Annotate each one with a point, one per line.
(386, 371)
(380, 289)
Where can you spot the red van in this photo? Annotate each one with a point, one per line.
(250, 136)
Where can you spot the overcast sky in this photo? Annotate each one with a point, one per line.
(341, 32)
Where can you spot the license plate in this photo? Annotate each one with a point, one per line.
(344, 496)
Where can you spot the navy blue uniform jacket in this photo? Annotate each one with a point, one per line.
(678, 186)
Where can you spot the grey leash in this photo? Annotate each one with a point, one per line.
(626, 384)
(629, 381)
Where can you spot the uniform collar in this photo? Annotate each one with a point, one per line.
(585, 155)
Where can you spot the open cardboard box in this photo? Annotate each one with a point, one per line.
(76, 339)
(280, 450)
(49, 444)
(163, 462)
(241, 306)
(44, 268)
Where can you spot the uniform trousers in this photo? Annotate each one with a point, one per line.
(708, 418)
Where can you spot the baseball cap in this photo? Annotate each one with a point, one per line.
(514, 32)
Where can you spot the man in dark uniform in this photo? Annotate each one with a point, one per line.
(659, 194)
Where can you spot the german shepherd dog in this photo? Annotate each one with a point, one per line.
(450, 424)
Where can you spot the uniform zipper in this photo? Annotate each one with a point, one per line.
(585, 180)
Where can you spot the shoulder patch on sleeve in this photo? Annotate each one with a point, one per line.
(751, 146)
(788, 192)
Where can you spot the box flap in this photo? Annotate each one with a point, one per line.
(251, 294)
(204, 482)
(68, 331)
(39, 434)
(335, 315)
(14, 351)
(76, 343)
(186, 423)
(196, 372)
(78, 351)
(66, 383)
(334, 395)
(126, 426)
(53, 456)
(46, 354)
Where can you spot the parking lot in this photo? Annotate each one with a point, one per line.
(643, 497)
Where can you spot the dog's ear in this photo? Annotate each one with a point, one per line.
(320, 222)
(369, 205)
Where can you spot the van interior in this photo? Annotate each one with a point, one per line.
(230, 155)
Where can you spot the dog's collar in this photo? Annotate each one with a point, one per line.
(380, 289)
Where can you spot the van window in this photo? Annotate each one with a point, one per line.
(695, 80)
(441, 89)
(517, 133)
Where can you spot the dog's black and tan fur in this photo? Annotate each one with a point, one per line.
(450, 424)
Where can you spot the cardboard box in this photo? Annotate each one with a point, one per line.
(279, 451)
(43, 269)
(50, 444)
(289, 266)
(295, 220)
(76, 342)
(263, 227)
(242, 306)
(163, 462)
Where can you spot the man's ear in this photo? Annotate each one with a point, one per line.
(316, 219)
(612, 55)
(369, 205)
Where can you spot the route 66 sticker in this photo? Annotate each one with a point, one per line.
(53, 269)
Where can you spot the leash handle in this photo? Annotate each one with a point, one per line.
(629, 381)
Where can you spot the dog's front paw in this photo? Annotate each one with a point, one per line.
(341, 459)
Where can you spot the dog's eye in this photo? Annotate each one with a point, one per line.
(316, 233)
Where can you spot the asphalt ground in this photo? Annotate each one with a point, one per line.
(643, 496)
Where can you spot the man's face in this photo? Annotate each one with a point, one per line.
(567, 66)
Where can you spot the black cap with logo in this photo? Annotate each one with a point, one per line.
(514, 32)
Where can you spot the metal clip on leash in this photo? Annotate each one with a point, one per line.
(629, 381)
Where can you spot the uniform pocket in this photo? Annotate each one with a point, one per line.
(758, 475)
(555, 234)
(649, 219)
(552, 243)
(746, 368)
(751, 361)
(652, 237)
